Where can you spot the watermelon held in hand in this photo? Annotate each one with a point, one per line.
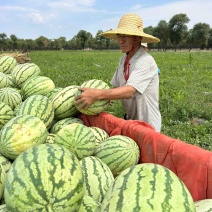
(98, 106)
(47, 177)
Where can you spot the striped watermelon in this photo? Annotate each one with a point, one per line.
(50, 138)
(23, 72)
(10, 83)
(3, 208)
(89, 205)
(99, 105)
(97, 177)
(5, 165)
(21, 133)
(204, 205)
(10, 96)
(6, 113)
(37, 85)
(63, 122)
(47, 177)
(147, 187)
(99, 134)
(78, 138)
(4, 81)
(39, 106)
(53, 92)
(7, 64)
(63, 102)
(118, 152)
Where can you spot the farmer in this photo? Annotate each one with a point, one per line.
(136, 80)
(145, 46)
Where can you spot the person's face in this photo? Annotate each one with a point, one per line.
(125, 42)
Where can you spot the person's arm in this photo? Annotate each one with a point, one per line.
(90, 95)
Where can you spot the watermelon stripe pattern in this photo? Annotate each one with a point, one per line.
(48, 177)
(98, 106)
(10, 96)
(63, 122)
(4, 81)
(147, 187)
(63, 102)
(6, 113)
(39, 106)
(7, 64)
(37, 85)
(97, 177)
(5, 165)
(118, 152)
(78, 138)
(23, 72)
(21, 133)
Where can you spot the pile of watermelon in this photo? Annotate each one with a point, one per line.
(51, 161)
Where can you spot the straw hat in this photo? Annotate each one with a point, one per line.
(130, 24)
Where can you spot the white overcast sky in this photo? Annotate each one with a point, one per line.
(29, 19)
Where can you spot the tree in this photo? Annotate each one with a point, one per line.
(178, 29)
(200, 35)
(82, 37)
(162, 32)
(42, 42)
(210, 39)
(3, 37)
(14, 39)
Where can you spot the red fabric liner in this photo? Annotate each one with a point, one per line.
(192, 164)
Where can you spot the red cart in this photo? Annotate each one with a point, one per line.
(192, 164)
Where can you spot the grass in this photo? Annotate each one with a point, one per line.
(185, 86)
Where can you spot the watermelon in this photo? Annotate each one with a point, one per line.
(118, 152)
(39, 106)
(3, 208)
(21, 133)
(63, 122)
(5, 165)
(23, 72)
(53, 92)
(10, 83)
(99, 134)
(46, 177)
(97, 177)
(4, 81)
(204, 205)
(50, 138)
(89, 205)
(7, 64)
(10, 96)
(98, 106)
(63, 102)
(78, 138)
(6, 113)
(147, 187)
(39, 85)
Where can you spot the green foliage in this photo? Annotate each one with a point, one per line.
(185, 86)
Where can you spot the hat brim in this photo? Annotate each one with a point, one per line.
(146, 38)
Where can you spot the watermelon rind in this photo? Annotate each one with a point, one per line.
(147, 187)
(47, 177)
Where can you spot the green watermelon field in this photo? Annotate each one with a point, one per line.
(185, 86)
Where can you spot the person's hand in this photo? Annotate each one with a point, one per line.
(86, 98)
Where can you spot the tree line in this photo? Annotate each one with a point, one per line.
(173, 35)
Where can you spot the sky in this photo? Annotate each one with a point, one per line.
(30, 19)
